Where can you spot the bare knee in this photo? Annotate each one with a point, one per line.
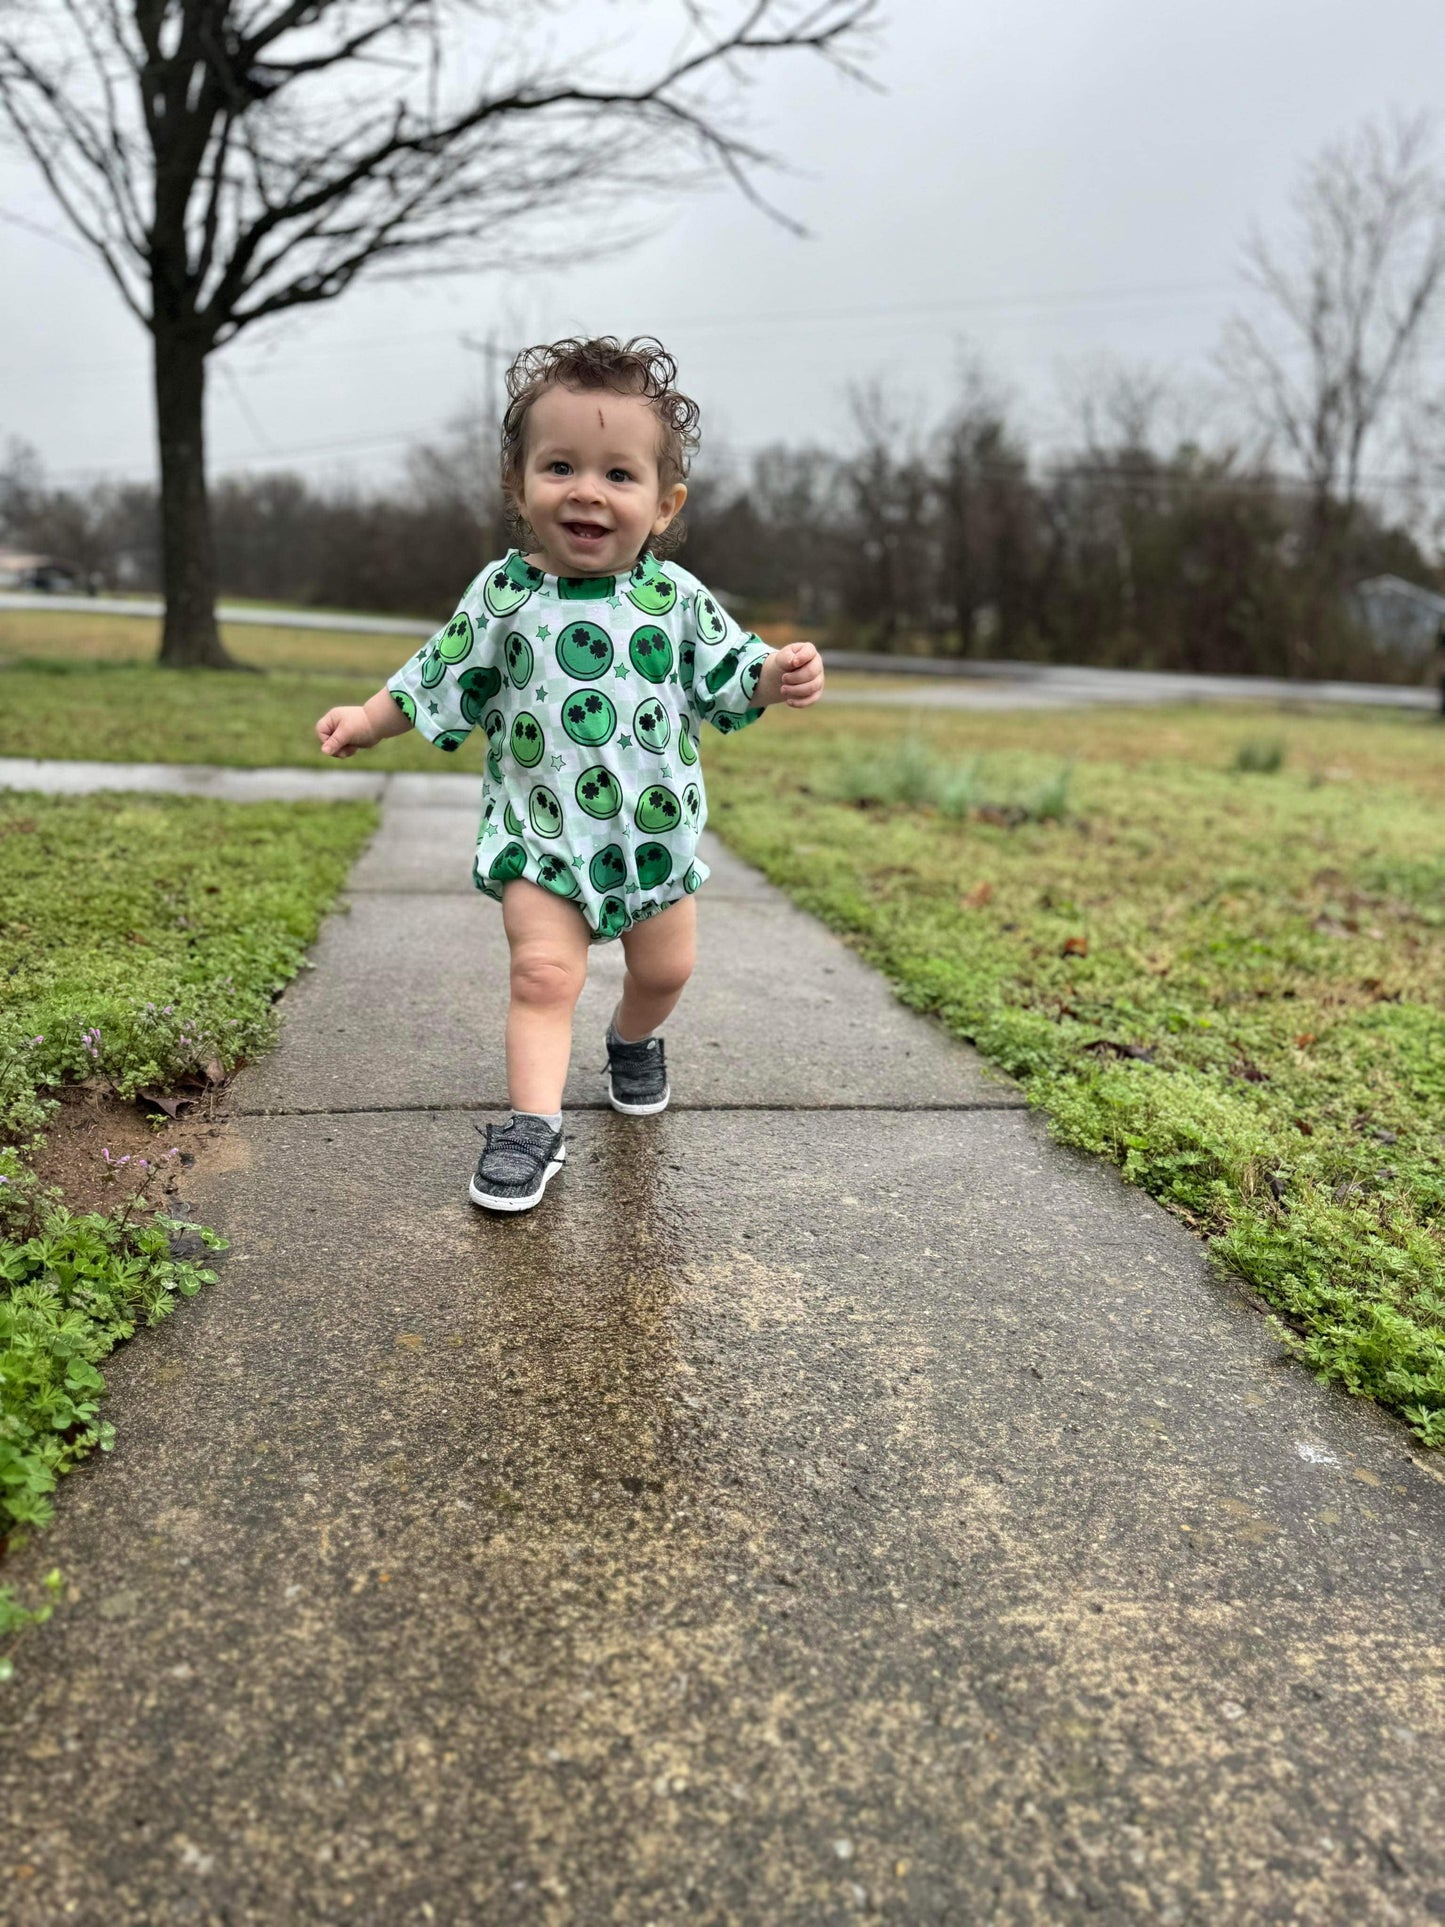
(545, 982)
(662, 976)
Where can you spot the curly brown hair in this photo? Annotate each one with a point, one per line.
(641, 366)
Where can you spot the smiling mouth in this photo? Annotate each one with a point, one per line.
(586, 531)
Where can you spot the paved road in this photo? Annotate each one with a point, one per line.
(1020, 685)
(935, 683)
(836, 1501)
(151, 608)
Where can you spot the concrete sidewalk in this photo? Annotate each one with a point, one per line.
(834, 1500)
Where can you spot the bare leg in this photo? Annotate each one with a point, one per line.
(548, 939)
(660, 956)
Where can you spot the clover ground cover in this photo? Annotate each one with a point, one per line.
(143, 941)
(1228, 981)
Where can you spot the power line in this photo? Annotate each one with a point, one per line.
(45, 233)
(1057, 300)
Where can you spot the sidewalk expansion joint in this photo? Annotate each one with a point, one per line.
(600, 1104)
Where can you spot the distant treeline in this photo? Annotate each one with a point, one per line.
(948, 542)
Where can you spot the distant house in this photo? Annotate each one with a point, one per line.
(46, 573)
(1400, 615)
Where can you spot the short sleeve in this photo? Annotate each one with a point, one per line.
(721, 664)
(446, 686)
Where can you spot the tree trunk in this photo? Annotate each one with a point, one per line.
(190, 639)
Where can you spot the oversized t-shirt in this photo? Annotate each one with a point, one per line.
(592, 691)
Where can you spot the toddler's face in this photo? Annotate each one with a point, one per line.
(590, 484)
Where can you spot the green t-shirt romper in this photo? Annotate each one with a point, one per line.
(593, 691)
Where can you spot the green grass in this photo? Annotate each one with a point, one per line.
(911, 773)
(142, 939)
(43, 636)
(1259, 756)
(162, 927)
(1227, 980)
(123, 713)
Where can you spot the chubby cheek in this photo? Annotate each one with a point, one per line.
(541, 501)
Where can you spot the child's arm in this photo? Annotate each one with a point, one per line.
(792, 675)
(341, 732)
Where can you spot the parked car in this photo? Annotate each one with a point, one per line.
(45, 574)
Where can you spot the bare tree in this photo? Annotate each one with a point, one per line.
(230, 160)
(981, 484)
(890, 574)
(1352, 294)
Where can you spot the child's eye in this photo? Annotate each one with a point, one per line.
(559, 468)
(618, 475)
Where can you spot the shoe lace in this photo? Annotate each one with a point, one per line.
(651, 1049)
(509, 1139)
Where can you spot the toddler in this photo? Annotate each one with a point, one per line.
(592, 665)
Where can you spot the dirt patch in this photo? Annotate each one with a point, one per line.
(92, 1120)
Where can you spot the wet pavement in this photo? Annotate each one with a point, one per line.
(835, 1502)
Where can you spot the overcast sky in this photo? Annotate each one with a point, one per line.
(1039, 182)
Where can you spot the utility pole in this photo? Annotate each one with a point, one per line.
(496, 359)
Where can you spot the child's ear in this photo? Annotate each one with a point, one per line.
(669, 506)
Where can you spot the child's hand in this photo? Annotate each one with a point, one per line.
(802, 675)
(343, 731)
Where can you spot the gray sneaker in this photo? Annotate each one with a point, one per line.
(636, 1076)
(515, 1164)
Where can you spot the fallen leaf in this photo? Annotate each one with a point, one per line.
(1075, 947)
(977, 897)
(214, 1073)
(170, 1105)
(1137, 1053)
(1305, 1039)
(1303, 1126)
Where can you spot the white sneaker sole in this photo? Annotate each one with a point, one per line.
(637, 1110)
(524, 1203)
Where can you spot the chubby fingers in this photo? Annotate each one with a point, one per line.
(802, 675)
(331, 734)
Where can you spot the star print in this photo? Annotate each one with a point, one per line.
(539, 694)
(559, 762)
(431, 709)
(620, 673)
(542, 632)
(490, 830)
(614, 601)
(667, 769)
(576, 863)
(624, 741)
(673, 679)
